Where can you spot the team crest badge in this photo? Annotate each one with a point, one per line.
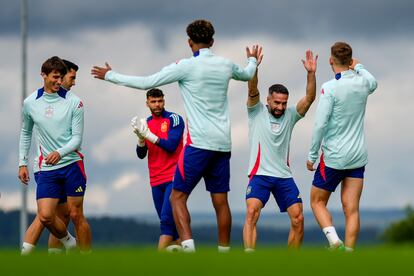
(164, 127)
(49, 112)
(275, 127)
(249, 190)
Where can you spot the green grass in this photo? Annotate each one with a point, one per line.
(266, 261)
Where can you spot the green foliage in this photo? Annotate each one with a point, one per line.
(401, 231)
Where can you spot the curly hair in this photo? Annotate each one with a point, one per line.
(200, 31)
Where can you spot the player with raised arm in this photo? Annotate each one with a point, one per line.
(160, 136)
(339, 129)
(203, 80)
(270, 131)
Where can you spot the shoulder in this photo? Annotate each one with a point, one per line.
(174, 118)
(32, 97)
(74, 100)
(328, 87)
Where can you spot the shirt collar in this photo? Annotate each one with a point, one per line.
(202, 51)
(341, 74)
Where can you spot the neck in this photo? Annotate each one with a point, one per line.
(339, 68)
(48, 90)
(198, 46)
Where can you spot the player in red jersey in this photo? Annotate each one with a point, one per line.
(161, 137)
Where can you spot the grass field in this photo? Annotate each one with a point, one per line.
(266, 261)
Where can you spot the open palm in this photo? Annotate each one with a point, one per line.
(310, 63)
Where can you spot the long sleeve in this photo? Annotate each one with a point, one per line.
(175, 134)
(247, 73)
(168, 74)
(372, 82)
(141, 151)
(25, 137)
(323, 113)
(77, 131)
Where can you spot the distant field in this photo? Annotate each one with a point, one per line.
(266, 261)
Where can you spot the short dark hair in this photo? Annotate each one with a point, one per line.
(342, 53)
(279, 89)
(70, 65)
(155, 93)
(200, 31)
(54, 64)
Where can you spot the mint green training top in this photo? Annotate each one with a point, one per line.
(203, 80)
(339, 124)
(58, 121)
(269, 139)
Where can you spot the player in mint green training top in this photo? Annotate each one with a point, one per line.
(339, 130)
(57, 117)
(203, 80)
(270, 131)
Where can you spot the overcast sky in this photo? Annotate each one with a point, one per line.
(140, 37)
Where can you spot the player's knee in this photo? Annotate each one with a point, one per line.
(76, 215)
(315, 203)
(297, 221)
(46, 218)
(349, 210)
(251, 216)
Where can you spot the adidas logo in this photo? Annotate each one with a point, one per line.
(79, 190)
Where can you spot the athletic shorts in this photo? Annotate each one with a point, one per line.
(194, 164)
(328, 179)
(161, 197)
(284, 190)
(66, 181)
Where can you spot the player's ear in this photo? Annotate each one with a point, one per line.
(190, 43)
(211, 43)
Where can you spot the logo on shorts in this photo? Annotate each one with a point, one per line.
(300, 196)
(79, 190)
(49, 111)
(164, 127)
(249, 190)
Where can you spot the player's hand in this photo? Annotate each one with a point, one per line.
(146, 132)
(52, 158)
(310, 63)
(135, 127)
(255, 52)
(309, 166)
(24, 175)
(100, 72)
(354, 62)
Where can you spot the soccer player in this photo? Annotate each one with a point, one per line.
(270, 130)
(57, 116)
(203, 80)
(34, 231)
(161, 136)
(339, 128)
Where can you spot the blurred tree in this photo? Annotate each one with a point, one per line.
(401, 231)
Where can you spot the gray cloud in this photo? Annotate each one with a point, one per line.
(292, 19)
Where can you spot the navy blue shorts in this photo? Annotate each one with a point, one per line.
(66, 181)
(284, 190)
(161, 197)
(328, 179)
(194, 164)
